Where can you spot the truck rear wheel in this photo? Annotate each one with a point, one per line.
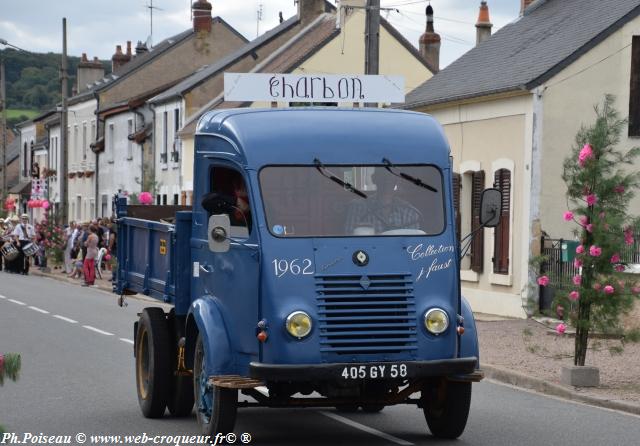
(180, 403)
(446, 407)
(216, 407)
(153, 369)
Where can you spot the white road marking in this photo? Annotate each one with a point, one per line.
(97, 330)
(39, 310)
(66, 319)
(2, 297)
(128, 341)
(367, 429)
(17, 302)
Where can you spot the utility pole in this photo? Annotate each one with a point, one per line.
(64, 143)
(372, 40)
(3, 92)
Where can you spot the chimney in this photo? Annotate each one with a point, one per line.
(201, 16)
(88, 72)
(308, 10)
(129, 49)
(141, 48)
(118, 59)
(524, 4)
(430, 43)
(484, 25)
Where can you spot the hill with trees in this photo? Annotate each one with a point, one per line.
(33, 80)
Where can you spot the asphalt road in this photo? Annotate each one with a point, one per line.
(78, 377)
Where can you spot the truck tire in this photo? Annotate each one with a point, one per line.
(216, 407)
(446, 407)
(372, 408)
(153, 368)
(180, 403)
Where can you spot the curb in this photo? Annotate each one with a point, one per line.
(101, 286)
(539, 385)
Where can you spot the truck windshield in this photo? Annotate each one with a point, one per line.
(339, 201)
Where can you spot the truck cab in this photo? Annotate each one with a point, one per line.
(318, 267)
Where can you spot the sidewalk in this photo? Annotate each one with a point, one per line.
(527, 354)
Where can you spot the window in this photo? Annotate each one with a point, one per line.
(76, 141)
(175, 199)
(84, 140)
(502, 182)
(229, 196)
(93, 131)
(477, 246)
(456, 203)
(25, 160)
(111, 143)
(309, 201)
(164, 199)
(129, 141)
(104, 205)
(175, 153)
(158, 199)
(165, 138)
(634, 88)
(79, 208)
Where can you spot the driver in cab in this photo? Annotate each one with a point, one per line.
(383, 211)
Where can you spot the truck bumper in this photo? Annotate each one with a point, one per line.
(460, 369)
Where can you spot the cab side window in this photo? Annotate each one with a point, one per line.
(229, 195)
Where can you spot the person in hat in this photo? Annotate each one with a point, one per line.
(10, 266)
(24, 234)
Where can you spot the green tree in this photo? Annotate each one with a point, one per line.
(601, 181)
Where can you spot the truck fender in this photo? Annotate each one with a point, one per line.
(205, 317)
(469, 340)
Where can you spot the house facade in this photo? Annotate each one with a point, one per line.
(107, 114)
(329, 41)
(511, 108)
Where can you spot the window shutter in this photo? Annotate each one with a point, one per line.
(634, 88)
(477, 245)
(456, 202)
(502, 181)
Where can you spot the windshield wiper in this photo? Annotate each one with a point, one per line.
(406, 176)
(328, 174)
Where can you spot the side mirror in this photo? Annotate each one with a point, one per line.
(218, 233)
(490, 208)
(215, 203)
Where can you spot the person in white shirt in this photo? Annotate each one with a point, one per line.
(24, 234)
(71, 234)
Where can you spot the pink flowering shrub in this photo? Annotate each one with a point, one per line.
(599, 190)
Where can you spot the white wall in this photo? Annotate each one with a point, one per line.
(121, 161)
(168, 174)
(81, 116)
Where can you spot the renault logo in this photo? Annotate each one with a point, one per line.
(360, 258)
(365, 282)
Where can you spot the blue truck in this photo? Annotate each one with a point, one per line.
(318, 267)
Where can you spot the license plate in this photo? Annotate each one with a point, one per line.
(374, 371)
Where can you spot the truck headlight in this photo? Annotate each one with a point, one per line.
(299, 324)
(436, 321)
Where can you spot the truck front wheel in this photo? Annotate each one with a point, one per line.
(153, 367)
(446, 407)
(216, 407)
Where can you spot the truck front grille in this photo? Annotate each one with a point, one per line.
(368, 314)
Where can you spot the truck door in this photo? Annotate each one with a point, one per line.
(232, 276)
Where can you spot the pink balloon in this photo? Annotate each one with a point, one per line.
(45, 204)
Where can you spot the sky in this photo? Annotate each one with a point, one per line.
(95, 27)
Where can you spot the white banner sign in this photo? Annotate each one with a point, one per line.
(313, 88)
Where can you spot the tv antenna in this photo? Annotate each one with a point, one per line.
(260, 6)
(150, 7)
